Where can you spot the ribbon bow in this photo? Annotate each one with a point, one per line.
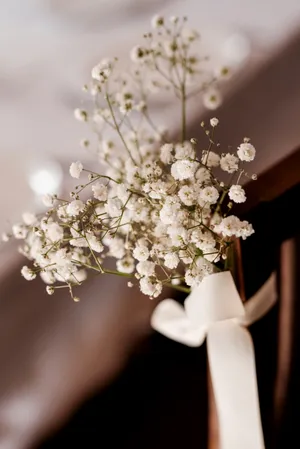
(214, 310)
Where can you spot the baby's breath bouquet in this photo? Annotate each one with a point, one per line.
(160, 207)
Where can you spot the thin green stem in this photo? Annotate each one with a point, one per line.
(211, 143)
(122, 214)
(183, 113)
(78, 262)
(118, 129)
(119, 273)
(150, 122)
(221, 200)
(100, 176)
(178, 287)
(104, 271)
(176, 88)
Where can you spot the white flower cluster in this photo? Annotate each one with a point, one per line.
(159, 208)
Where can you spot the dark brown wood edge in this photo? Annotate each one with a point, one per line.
(272, 183)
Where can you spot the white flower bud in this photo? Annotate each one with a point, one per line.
(76, 169)
(50, 290)
(214, 122)
(80, 115)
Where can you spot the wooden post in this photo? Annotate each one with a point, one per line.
(213, 424)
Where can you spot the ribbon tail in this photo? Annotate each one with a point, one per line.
(261, 302)
(232, 365)
(169, 318)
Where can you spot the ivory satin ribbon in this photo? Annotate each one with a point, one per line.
(214, 310)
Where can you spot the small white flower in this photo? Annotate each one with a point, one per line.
(116, 248)
(107, 146)
(19, 231)
(189, 34)
(237, 194)
(150, 287)
(125, 265)
(126, 106)
(80, 115)
(50, 290)
(75, 207)
(210, 159)
(155, 193)
(146, 268)
(166, 153)
(124, 95)
(29, 218)
(142, 242)
(95, 89)
(44, 223)
(166, 215)
(183, 169)
(171, 47)
(178, 235)
(224, 72)
(229, 226)
(100, 191)
(192, 279)
(209, 195)
(203, 240)
(171, 260)
(102, 70)
(214, 122)
(184, 150)
(246, 229)
(141, 253)
(54, 232)
(48, 200)
(137, 54)
(122, 193)
(157, 21)
(202, 175)
(76, 169)
(195, 275)
(27, 273)
(141, 106)
(113, 207)
(187, 195)
(246, 152)
(229, 163)
(204, 267)
(94, 243)
(174, 19)
(212, 99)
(150, 170)
(62, 213)
(170, 210)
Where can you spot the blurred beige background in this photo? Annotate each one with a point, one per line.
(47, 48)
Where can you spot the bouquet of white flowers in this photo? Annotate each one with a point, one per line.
(158, 207)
